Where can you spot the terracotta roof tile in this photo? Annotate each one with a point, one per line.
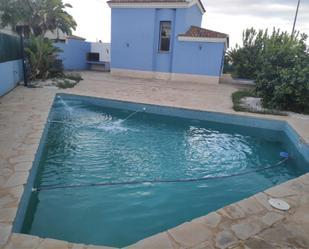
(195, 31)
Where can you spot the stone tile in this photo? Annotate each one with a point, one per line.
(32, 141)
(263, 200)
(2, 181)
(237, 246)
(160, 240)
(304, 179)
(4, 171)
(257, 243)
(22, 241)
(213, 219)
(53, 244)
(204, 245)
(250, 206)
(286, 235)
(17, 179)
(6, 200)
(21, 159)
(234, 212)
(16, 192)
(190, 234)
(7, 214)
(25, 166)
(224, 239)
(100, 247)
(272, 217)
(280, 191)
(246, 229)
(78, 246)
(5, 231)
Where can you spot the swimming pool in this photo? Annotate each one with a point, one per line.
(107, 180)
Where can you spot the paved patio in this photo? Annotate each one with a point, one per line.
(250, 223)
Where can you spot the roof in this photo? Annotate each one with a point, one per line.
(195, 31)
(75, 37)
(157, 2)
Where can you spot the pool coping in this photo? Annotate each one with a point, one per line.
(174, 236)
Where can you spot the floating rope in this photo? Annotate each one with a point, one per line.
(55, 186)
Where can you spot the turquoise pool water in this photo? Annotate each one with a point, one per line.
(89, 144)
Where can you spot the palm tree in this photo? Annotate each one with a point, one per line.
(39, 16)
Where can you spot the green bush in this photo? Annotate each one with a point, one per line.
(283, 78)
(42, 57)
(279, 64)
(246, 60)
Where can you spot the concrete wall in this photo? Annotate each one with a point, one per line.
(135, 42)
(103, 49)
(11, 72)
(74, 54)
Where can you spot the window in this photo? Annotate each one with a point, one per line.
(165, 36)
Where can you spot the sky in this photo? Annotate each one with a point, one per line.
(227, 16)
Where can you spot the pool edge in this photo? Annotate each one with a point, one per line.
(18, 221)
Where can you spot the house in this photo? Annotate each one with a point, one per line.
(164, 39)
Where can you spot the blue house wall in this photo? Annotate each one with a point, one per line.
(135, 35)
(11, 73)
(132, 50)
(74, 54)
(138, 50)
(198, 58)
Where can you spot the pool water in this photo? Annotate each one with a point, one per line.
(89, 144)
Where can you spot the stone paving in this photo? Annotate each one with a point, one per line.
(247, 224)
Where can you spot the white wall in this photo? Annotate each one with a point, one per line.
(103, 49)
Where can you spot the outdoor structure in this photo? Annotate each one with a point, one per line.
(79, 54)
(163, 39)
(73, 53)
(11, 71)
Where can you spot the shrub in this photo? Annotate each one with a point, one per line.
(42, 58)
(279, 64)
(283, 78)
(246, 60)
(73, 76)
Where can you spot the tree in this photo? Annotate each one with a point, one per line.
(279, 64)
(283, 78)
(42, 57)
(39, 16)
(245, 60)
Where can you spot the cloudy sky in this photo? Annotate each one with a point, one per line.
(228, 16)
